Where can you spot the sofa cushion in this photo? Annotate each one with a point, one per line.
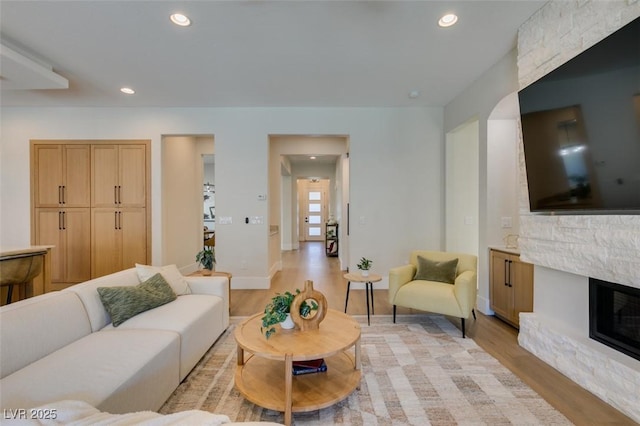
(125, 302)
(170, 273)
(87, 292)
(35, 327)
(198, 319)
(432, 270)
(116, 371)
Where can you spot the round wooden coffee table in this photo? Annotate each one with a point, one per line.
(265, 377)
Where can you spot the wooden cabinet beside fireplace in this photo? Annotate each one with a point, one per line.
(511, 286)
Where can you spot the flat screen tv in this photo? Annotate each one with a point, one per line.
(581, 130)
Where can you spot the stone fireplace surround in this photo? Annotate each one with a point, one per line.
(567, 249)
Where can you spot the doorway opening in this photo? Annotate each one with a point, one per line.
(308, 186)
(183, 192)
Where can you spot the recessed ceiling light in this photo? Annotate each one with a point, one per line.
(180, 19)
(414, 94)
(127, 90)
(448, 20)
(313, 157)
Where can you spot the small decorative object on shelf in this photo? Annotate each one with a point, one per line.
(331, 239)
(318, 301)
(207, 258)
(278, 311)
(364, 265)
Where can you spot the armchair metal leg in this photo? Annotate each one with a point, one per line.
(463, 336)
(394, 314)
(473, 311)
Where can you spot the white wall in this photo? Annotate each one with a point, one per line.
(478, 102)
(461, 200)
(395, 172)
(503, 179)
(182, 205)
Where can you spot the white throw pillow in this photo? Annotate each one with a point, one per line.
(170, 273)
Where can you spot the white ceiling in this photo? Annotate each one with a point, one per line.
(252, 53)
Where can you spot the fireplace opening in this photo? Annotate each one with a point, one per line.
(614, 316)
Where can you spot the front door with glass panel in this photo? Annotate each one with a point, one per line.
(313, 207)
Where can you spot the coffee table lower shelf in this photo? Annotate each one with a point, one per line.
(262, 381)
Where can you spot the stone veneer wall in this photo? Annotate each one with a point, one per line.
(606, 246)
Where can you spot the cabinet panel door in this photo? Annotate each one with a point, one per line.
(48, 175)
(48, 232)
(77, 233)
(77, 176)
(133, 224)
(132, 176)
(104, 175)
(105, 242)
(500, 293)
(523, 288)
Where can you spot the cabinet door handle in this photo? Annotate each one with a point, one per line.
(119, 220)
(119, 194)
(59, 221)
(64, 220)
(510, 283)
(115, 220)
(64, 194)
(59, 194)
(506, 273)
(115, 194)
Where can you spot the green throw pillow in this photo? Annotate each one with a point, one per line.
(123, 303)
(431, 270)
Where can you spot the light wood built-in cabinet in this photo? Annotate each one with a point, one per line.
(90, 199)
(62, 175)
(511, 286)
(118, 239)
(69, 231)
(118, 176)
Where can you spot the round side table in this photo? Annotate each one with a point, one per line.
(368, 288)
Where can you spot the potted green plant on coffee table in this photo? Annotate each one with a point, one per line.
(278, 311)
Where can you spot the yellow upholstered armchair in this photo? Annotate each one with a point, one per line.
(435, 281)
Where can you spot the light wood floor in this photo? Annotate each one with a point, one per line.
(493, 335)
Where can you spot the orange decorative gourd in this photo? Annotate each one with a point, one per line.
(311, 323)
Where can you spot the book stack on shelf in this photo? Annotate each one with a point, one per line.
(309, 367)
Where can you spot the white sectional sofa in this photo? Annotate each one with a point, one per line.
(62, 346)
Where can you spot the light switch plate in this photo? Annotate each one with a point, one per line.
(224, 220)
(505, 222)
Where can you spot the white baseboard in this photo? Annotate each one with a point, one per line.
(250, 283)
(483, 304)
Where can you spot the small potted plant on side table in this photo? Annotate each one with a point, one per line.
(364, 265)
(207, 258)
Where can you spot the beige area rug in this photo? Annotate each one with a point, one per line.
(419, 371)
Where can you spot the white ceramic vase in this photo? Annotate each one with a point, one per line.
(365, 272)
(288, 323)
